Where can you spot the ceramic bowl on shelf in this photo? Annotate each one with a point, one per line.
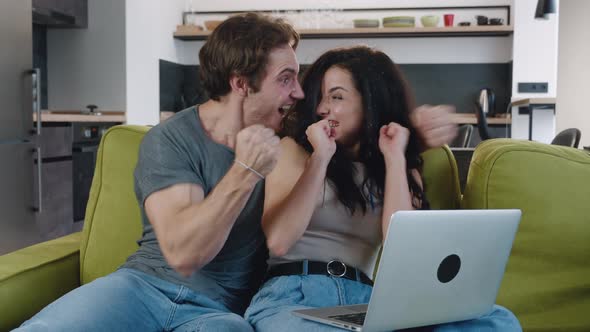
(429, 21)
(399, 22)
(366, 23)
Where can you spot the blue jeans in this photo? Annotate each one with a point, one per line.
(129, 300)
(270, 309)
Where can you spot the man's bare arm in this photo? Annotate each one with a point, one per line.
(192, 229)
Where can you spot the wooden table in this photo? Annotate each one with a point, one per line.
(532, 104)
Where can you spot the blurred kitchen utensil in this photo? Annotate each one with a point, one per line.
(487, 101)
(496, 21)
(481, 20)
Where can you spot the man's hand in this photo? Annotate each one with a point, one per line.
(258, 147)
(434, 124)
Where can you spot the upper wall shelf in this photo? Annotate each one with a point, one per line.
(186, 33)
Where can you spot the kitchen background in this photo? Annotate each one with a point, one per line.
(120, 55)
(128, 48)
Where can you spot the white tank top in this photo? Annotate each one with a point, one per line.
(333, 234)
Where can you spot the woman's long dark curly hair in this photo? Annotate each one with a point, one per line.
(385, 98)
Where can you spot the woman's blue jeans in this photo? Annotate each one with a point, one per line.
(130, 300)
(270, 309)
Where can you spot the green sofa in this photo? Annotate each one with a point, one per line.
(547, 282)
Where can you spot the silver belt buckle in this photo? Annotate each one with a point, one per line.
(336, 269)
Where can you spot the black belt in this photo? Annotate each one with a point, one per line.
(333, 269)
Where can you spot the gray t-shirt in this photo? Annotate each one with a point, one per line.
(179, 151)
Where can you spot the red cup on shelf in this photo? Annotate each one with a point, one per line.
(449, 19)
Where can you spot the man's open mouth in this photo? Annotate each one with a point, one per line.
(284, 110)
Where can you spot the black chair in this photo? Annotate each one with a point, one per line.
(482, 123)
(568, 137)
(463, 136)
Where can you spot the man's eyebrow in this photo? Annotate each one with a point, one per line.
(289, 70)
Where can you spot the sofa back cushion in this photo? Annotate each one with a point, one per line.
(113, 223)
(547, 280)
(441, 179)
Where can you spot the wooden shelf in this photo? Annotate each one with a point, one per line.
(189, 33)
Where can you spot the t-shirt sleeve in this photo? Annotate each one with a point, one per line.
(163, 161)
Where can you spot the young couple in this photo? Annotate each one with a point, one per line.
(349, 159)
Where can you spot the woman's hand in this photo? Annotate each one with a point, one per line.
(321, 137)
(393, 140)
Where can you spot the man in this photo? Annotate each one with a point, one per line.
(203, 254)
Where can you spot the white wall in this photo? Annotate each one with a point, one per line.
(573, 87)
(87, 66)
(149, 29)
(535, 60)
(141, 33)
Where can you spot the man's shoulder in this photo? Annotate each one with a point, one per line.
(181, 121)
(179, 127)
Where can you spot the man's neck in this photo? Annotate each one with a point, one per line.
(222, 120)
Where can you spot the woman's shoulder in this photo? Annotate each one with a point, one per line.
(291, 162)
(293, 152)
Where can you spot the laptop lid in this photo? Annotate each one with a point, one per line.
(440, 266)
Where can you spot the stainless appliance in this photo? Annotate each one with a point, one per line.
(55, 220)
(19, 95)
(487, 101)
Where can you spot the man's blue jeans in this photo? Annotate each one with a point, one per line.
(270, 309)
(129, 300)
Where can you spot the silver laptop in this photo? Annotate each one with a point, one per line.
(437, 266)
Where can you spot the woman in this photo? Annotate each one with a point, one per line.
(349, 161)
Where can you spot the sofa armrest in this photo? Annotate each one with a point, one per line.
(32, 277)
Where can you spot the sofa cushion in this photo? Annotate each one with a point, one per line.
(112, 224)
(441, 178)
(547, 280)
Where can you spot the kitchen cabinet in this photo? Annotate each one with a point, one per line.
(61, 13)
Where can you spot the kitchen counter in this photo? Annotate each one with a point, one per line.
(76, 116)
(470, 118)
